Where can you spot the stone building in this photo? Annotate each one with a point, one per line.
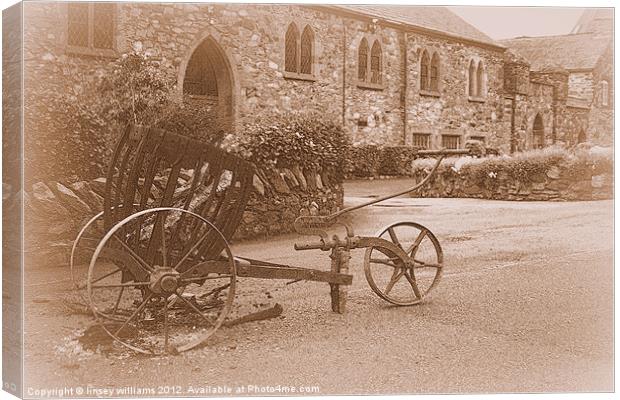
(580, 66)
(392, 75)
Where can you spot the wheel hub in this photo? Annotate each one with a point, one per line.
(164, 280)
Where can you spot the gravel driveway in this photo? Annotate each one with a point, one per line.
(525, 305)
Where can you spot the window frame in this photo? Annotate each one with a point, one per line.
(474, 87)
(604, 93)
(538, 133)
(297, 75)
(452, 136)
(425, 135)
(427, 89)
(367, 83)
(90, 50)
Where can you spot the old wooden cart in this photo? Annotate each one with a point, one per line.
(162, 275)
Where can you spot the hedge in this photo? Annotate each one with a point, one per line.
(371, 161)
(524, 167)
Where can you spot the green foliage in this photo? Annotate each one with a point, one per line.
(284, 140)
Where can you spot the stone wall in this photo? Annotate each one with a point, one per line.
(55, 212)
(251, 41)
(452, 111)
(558, 184)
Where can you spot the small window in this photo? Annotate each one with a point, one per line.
(307, 40)
(538, 133)
(375, 63)
(472, 78)
(422, 140)
(90, 25)
(362, 61)
(604, 89)
(481, 139)
(298, 52)
(450, 141)
(435, 73)
(424, 71)
(290, 56)
(480, 80)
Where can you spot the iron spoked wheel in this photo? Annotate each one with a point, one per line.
(404, 279)
(170, 298)
(82, 250)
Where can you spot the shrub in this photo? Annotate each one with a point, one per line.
(524, 167)
(74, 125)
(396, 160)
(363, 161)
(285, 140)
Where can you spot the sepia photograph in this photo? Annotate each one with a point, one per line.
(225, 199)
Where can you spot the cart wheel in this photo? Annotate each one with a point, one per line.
(162, 304)
(404, 281)
(82, 251)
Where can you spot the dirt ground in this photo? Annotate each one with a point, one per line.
(525, 305)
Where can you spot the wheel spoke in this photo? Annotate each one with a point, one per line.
(427, 265)
(413, 284)
(414, 247)
(100, 278)
(193, 307)
(194, 247)
(120, 285)
(165, 325)
(133, 254)
(135, 313)
(118, 300)
(384, 262)
(396, 275)
(204, 278)
(163, 242)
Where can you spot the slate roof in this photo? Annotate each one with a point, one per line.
(593, 19)
(434, 18)
(572, 52)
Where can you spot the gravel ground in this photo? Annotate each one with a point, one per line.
(525, 305)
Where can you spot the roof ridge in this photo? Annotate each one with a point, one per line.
(549, 36)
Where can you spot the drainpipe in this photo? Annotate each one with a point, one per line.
(405, 74)
(513, 135)
(344, 71)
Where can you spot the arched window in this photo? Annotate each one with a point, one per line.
(307, 41)
(538, 133)
(375, 63)
(480, 80)
(362, 60)
(472, 78)
(424, 71)
(200, 79)
(435, 73)
(604, 89)
(290, 55)
(581, 138)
